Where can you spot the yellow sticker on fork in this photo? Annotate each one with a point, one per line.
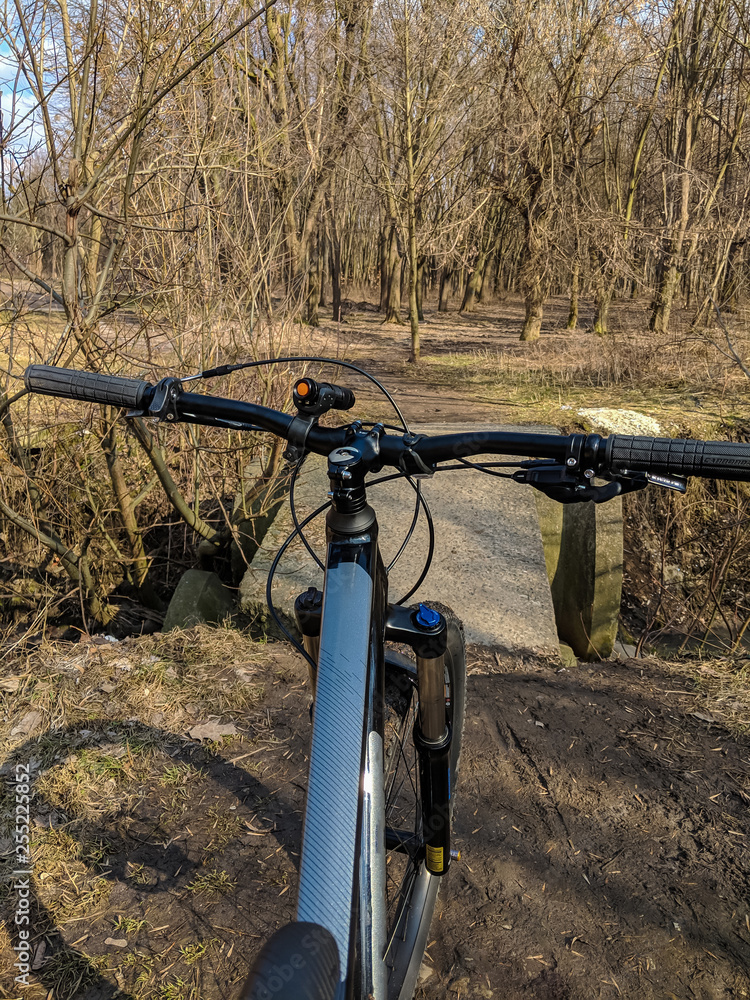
(435, 859)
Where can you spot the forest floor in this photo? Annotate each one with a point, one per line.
(601, 812)
(601, 818)
(474, 366)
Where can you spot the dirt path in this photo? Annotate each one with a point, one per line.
(604, 834)
(602, 820)
(383, 351)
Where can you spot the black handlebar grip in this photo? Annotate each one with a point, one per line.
(711, 459)
(87, 386)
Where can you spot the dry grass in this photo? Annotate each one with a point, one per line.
(166, 680)
(212, 882)
(54, 470)
(104, 726)
(98, 722)
(725, 687)
(684, 383)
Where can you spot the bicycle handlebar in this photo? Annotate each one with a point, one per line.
(86, 386)
(615, 454)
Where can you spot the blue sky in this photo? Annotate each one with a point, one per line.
(19, 110)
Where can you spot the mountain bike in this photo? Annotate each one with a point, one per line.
(388, 679)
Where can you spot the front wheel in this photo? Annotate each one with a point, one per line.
(410, 890)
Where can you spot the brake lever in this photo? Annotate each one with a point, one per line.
(559, 483)
(163, 405)
(676, 483)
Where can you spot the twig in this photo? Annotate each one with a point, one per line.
(730, 345)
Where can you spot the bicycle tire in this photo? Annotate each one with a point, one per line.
(411, 891)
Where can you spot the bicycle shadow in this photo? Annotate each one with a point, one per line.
(172, 864)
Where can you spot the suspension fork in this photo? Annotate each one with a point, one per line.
(308, 611)
(426, 631)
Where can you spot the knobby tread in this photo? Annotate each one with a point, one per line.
(90, 387)
(300, 962)
(679, 456)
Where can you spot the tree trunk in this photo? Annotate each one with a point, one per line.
(730, 288)
(603, 289)
(314, 269)
(393, 290)
(444, 293)
(323, 265)
(665, 294)
(414, 351)
(313, 293)
(500, 288)
(420, 288)
(575, 281)
(334, 247)
(602, 300)
(473, 286)
(673, 250)
(721, 269)
(484, 281)
(385, 269)
(534, 301)
(411, 198)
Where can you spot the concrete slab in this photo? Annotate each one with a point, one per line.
(488, 564)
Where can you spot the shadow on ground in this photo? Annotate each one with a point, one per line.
(602, 828)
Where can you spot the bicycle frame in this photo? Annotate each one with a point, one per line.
(346, 761)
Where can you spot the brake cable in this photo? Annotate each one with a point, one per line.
(299, 526)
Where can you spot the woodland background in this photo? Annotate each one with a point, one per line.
(185, 184)
(561, 190)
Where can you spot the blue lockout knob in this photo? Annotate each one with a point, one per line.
(426, 617)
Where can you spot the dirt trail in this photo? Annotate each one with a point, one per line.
(382, 350)
(601, 816)
(604, 837)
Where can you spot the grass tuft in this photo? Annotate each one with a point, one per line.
(69, 974)
(215, 881)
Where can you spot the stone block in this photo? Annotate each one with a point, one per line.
(567, 656)
(200, 598)
(583, 553)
